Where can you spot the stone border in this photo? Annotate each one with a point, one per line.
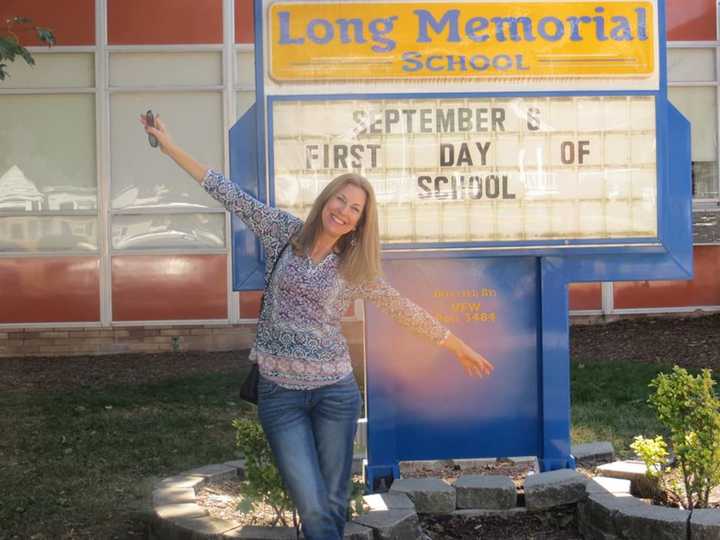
(612, 511)
(606, 508)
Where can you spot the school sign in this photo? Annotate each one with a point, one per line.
(373, 41)
(514, 148)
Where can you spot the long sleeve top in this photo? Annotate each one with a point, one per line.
(299, 343)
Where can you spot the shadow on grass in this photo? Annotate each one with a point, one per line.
(81, 463)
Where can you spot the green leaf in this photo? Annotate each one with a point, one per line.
(46, 36)
(26, 56)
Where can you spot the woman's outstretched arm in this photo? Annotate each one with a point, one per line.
(419, 321)
(272, 226)
(191, 166)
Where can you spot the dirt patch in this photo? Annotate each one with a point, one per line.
(71, 372)
(556, 524)
(692, 342)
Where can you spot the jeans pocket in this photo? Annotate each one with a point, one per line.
(266, 387)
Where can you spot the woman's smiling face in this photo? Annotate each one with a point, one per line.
(343, 210)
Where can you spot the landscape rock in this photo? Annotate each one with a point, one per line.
(485, 491)
(649, 522)
(589, 454)
(430, 495)
(705, 524)
(641, 485)
(391, 524)
(554, 488)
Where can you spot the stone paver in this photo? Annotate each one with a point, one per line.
(175, 511)
(489, 492)
(388, 501)
(261, 533)
(166, 496)
(554, 488)
(391, 524)
(204, 527)
(649, 522)
(215, 473)
(430, 495)
(355, 531)
(705, 524)
(593, 453)
(631, 470)
(608, 486)
(599, 510)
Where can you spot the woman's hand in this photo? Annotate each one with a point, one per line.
(193, 167)
(159, 131)
(474, 364)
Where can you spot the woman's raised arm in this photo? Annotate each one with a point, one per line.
(191, 166)
(272, 226)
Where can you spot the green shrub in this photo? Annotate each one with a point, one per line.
(263, 482)
(653, 452)
(688, 407)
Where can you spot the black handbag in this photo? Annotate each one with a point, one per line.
(249, 385)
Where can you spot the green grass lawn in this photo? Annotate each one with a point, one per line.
(81, 463)
(609, 403)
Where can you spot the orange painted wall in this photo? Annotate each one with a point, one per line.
(39, 290)
(160, 287)
(585, 296)
(161, 22)
(73, 22)
(702, 290)
(691, 20)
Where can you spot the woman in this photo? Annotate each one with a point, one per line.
(309, 401)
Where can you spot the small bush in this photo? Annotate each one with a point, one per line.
(688, 407)
(263, 481)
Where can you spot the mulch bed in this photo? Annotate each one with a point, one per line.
(73, 372)
(557, 524)
(690, 342)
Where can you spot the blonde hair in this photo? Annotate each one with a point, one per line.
(359, 250)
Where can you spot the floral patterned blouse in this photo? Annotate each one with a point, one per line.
(299, 343)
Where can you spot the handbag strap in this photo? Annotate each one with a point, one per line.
(272, 271)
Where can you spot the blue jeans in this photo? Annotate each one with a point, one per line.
(311, 434)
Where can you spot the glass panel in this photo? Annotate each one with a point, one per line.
(477, 169)
(245, 100)
(48, 233)
(699, 105)
(47, 160)
(245, 70)
(64, 70)
(143, 177)
(705, 179)
(691, 65)
(194, 231)
(157, 69)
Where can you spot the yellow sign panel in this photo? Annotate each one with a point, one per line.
(315, 41)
